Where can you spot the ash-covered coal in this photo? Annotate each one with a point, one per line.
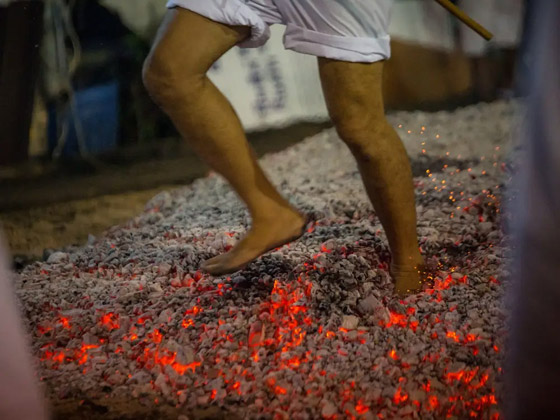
(311, 330)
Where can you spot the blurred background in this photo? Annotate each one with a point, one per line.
(82, 146)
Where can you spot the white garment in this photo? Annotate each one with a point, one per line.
(346, 30)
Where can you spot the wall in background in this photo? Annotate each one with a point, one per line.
(271, 87)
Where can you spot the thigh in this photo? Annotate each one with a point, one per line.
(353, 91)
(190, 42)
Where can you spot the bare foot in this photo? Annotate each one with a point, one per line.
(408, 278)
(265, 235)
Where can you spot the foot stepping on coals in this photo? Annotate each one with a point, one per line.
(261, 238)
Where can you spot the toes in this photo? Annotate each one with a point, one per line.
(221, 270)
(215, 269)
(212, 263)
(207, 264)
(220, 265)
(213, 260)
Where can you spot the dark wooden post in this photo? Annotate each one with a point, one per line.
(21, 30)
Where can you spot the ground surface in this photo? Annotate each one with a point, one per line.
(132, 168)
(31, 231)
(49, 206)
(311, 330)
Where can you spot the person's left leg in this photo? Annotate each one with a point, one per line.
(187, 45)
(353, 93)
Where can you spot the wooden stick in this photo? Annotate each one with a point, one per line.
(466, 19)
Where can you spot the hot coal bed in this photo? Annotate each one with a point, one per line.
(311, 330)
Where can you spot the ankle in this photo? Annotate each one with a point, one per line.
(273, 210)
(276, 214)
(407, 261)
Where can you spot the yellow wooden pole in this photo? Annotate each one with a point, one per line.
(466, 19)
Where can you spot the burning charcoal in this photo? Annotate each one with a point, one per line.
(429, 214)
(116, 378)
(371, 306)
(241, 281)
(329, 409)
(350, 322)
(156, 289)
(57, 258)
(139, 377)
(282, 337)
(203, 400)
(452, 317)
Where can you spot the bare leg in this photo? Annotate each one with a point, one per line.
(355, 102)
(175, 75)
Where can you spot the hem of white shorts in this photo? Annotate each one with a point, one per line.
(239, 15)
(342, 48)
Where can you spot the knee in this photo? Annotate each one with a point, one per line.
(156, 75)
(362, 132)
(165, 81)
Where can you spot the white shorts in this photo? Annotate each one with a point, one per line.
(346, 30)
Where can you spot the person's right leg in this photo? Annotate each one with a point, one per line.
(175, 75)
(353, 92)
